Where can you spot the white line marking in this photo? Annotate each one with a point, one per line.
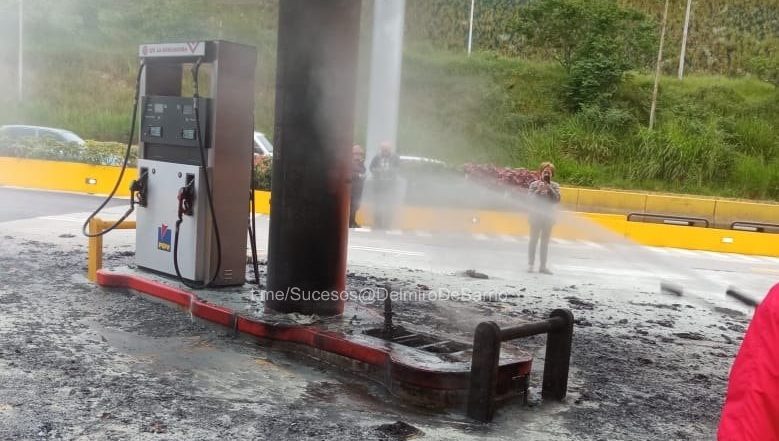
(423, 233)
(711, 254)
(561, 241)
(61, 219)
(684, 252)
(508, 238)
(741, 257)
(592, 244)
(395, 232)
(362, 230)
(658, 250)
(387, 250)
(479, 236)
(771, 260)
(621, 272)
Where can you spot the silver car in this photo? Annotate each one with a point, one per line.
(40, 133)
(262, 145)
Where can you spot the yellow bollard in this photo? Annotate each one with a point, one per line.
(95, 249)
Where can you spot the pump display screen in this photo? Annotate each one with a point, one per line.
(169, 121)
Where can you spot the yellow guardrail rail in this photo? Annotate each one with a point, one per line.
(720, 212)
(612, 207)
(63, 176)
(577, 226)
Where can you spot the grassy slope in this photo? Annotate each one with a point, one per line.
(715, 135)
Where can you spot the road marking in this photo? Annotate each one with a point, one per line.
(683, 252)
(561, 241)
(395, 232)
(592, 244)
(362, 230)
(765, 270)
(658, 250)
(771, 260)
(423, 233)
(508, 238)
(61, 219)
(479, 236)
(741, 257)
(622, 272)
(387, 250)
(711, 254)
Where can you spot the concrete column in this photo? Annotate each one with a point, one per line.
(316, 81)
(386, 63)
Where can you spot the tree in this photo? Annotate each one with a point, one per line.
(595, 41)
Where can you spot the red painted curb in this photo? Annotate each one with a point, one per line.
(404, 370)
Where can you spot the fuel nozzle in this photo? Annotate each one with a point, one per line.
(139, 188)
(186, 197)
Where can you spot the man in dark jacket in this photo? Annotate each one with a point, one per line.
(384, 168)
(358, 182)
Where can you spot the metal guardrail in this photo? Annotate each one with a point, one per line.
(95, 247)
(670, 219)
(486, 358)
(757, 227)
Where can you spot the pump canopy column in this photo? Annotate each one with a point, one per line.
(316, 81)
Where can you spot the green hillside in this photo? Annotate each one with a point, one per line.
(715, 135)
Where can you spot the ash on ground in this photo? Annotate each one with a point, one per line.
(78, 361)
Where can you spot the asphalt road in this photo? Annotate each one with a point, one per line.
(614, 264)
(24, 204)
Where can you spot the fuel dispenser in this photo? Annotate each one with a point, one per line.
(195, 161)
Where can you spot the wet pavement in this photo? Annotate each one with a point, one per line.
(80, 362)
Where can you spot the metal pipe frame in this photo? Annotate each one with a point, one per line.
(486, 358)
(759, 227)
(691, 220)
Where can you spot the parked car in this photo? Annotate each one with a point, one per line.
(262, 145)
(40, 133)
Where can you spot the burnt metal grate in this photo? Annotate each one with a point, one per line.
(424, 342)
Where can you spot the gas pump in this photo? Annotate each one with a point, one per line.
(195, 161)
(195, 157)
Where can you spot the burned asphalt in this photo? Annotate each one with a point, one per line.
(80, 362)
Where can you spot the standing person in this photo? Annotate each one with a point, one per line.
(545, 194)
(384, 168)
(358, 182)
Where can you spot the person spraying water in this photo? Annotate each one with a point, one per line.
(545, 194)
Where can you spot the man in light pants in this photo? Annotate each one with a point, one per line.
(544, 195)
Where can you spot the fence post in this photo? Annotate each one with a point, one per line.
(558, 357)
(484, 372)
